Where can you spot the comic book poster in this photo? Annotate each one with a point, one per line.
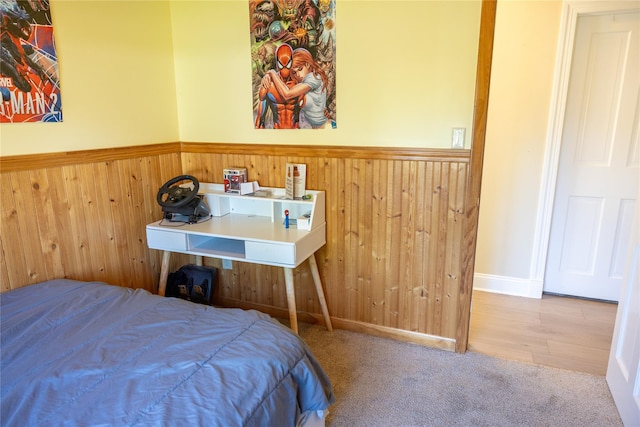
(29, 82)
(293, 52)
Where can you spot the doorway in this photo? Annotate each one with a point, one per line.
(572, 11)
(597, 181)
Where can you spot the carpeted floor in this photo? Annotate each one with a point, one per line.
(382, 382)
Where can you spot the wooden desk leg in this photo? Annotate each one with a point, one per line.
(320, 291)
(291, 298)
(164, 272)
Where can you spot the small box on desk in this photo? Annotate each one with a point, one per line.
(233, 179)
(304, 222)
(295, 181)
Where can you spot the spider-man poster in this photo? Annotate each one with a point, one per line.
(293, 51)
(29, 82)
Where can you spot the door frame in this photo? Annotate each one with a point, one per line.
(474, 177)
(571, 10)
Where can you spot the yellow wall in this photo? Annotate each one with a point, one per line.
(405, 75)
(521, 85)
(117, 79)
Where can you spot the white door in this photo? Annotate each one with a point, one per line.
(598, 172)
(623, 372)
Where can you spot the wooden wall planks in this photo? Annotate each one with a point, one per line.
(82, 218)
(394, 228)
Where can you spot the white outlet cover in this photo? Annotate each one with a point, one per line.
(457, 138)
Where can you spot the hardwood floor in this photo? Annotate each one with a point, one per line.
(562, 332)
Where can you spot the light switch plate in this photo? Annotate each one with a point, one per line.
(457, 138)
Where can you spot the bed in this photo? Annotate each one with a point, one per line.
(92, 354)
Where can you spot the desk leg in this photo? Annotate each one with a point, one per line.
(164, 272)
(291, 298)
(198, 260)
(316, 280)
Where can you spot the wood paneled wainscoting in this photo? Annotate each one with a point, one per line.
(392, 264)
(82, 215)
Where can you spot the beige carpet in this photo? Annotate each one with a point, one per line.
(382, 382)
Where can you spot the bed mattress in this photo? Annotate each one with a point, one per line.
(88, 353)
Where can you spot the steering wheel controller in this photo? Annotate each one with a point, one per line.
(177, 192)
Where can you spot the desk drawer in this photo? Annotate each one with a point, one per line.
(270, 252)
(166, 240)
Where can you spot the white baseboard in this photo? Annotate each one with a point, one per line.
(529, 288)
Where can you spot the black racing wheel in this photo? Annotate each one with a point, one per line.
(174, 193)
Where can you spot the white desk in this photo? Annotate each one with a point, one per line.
(250, 229)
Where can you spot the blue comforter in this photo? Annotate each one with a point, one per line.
(90, 354)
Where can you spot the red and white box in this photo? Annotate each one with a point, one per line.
(233, 180)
